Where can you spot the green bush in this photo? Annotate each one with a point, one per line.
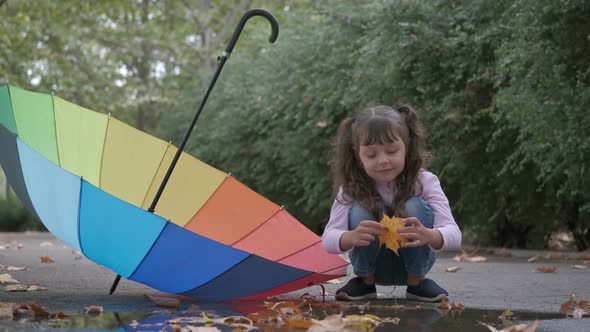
(503, 88)
(14, 217)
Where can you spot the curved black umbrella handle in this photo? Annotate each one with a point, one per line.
(249, 14)
(223, 58)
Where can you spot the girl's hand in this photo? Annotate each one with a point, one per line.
(420, 235)
(361, 236)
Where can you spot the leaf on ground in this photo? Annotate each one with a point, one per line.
(16, 268)
(533, 259)
(572, 308)
(389, 235)
(46, 259)
(46, 244)
(504, 252)
(464, 257)
(547, 269)
(6, 279)
(330, 323)
(166, 302)
(580, 267)
(29, 310)
(23, 288)
(299, 322)
(16, 288)
(93, 309)
(453, 269)
(506, 316)
(515, 328)
(454, 308)
(336, 281)
(200, 329)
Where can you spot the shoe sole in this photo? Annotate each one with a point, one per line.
(439, 298)
(345, 297)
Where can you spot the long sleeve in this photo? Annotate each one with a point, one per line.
(337, 225)
(443, 218)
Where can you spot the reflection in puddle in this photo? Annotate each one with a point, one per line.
(378, 316)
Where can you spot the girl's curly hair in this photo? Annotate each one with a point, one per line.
(379, 125)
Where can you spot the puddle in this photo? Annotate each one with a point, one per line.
(411, 318)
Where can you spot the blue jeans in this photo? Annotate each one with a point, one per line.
(387, 267)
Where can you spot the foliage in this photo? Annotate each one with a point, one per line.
(502, 86)
(14, 217)
(457, 62)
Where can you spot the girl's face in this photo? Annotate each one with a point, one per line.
(383, 162)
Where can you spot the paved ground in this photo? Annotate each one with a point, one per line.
(500, 283)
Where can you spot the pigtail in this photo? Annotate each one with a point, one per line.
(417, 158)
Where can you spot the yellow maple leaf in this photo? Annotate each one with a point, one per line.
(389, 236)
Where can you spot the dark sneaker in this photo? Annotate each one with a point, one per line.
(356, 290)
(426, 291)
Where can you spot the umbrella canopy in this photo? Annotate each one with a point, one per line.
(90, 178)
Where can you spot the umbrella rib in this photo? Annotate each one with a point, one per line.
(257, 227)
(155, 175)
(104, 143)
(13, 114)
(78, 224)
(55, 129)
(147, 253)
(218, 276)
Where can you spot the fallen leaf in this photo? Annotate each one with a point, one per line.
(166, 302)
(93, 309)
(191, 328)
(6, 279)
(16, 288)
(34, 288)
(389, 235)
(453, 269)
(547, 269)
(46, 259)
(16, 268)
(444, 305)
(533, 259)
(580, 266)
(335, 281)
(574, 309)
(299, 322)
(46, 244)
(30, 310)
(468, 258)
(506, 315)
(515, 328)
(504, 252)
(330, 323)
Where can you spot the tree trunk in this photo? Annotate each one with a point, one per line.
(581, 234)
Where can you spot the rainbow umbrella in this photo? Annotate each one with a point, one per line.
(93, 181)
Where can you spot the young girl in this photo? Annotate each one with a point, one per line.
(378, 168)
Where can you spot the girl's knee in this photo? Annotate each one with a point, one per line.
(419, 208)
(356, 214)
